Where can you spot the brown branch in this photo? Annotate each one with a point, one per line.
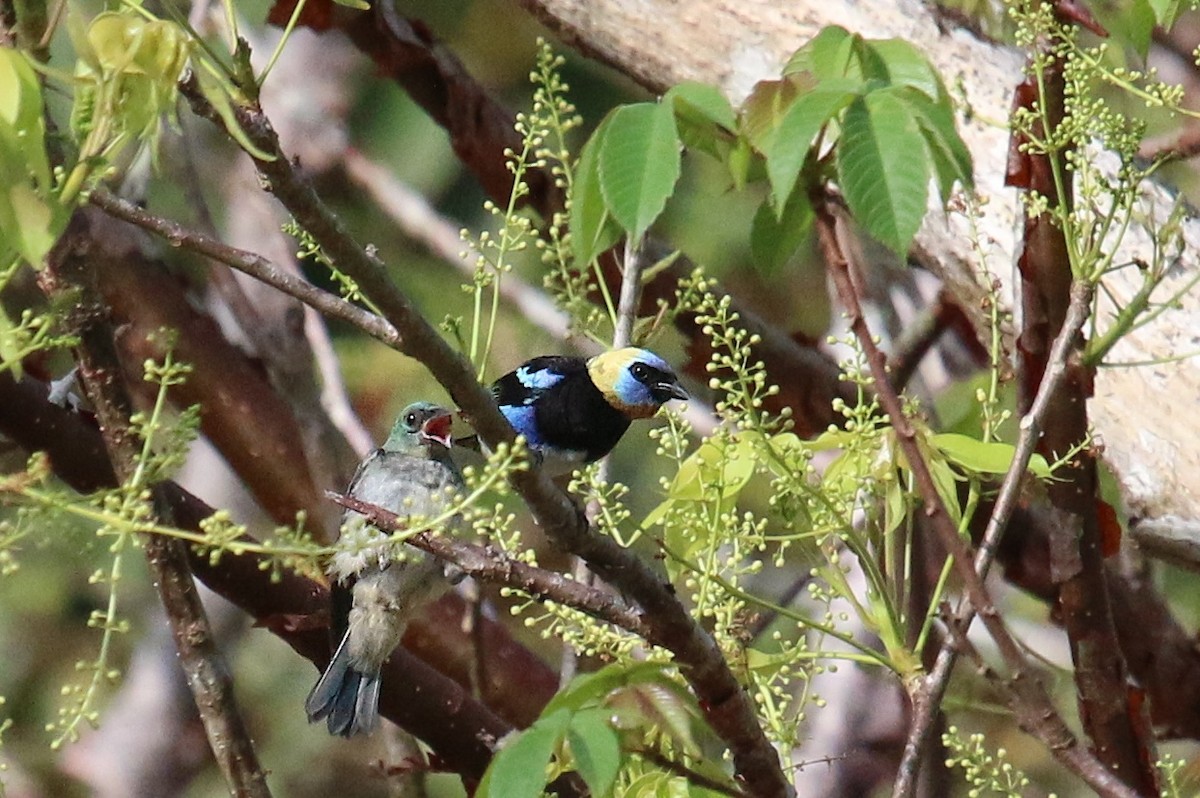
(250, 263)
(488, 565)
(1034, 710)
(728, 708)
(1112, 715)
(70, 273)
(927, 697)
(459, 730)
(481, 129)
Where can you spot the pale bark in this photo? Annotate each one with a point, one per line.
(1141, 414)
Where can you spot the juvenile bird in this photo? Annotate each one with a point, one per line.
(377, 584)
(573, 411)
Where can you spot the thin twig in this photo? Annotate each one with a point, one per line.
(251, 263)
(728, 708)
(67, 273)
(1035, 711)
(627, 305)
(933, 686)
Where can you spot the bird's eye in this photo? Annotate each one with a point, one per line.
(640, 371)
(411, 420)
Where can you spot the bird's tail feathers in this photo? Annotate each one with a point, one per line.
(346, 697)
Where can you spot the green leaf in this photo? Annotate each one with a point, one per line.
(31, 218)
(981, 457)
(593, 230)
(661, 706)
(904, 65)
(787, 147)
(639, 164)
(1165, 12)
(596, 749)
(21, 114)
(949, 155)
(773, 241)
(594, 687)
(764, 109)
(519, 768)
(705, 120)
(883, 169)
(700, 99)
(826, 55)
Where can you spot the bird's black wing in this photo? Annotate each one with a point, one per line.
(535, 377)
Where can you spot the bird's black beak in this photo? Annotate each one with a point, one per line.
(437, 429)
(671, 390)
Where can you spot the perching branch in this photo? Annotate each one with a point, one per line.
(440, 711)
(250, 263)
(728, 708)
(488, 565)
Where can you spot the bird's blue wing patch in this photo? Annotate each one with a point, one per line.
(538, 379)
(523, 421)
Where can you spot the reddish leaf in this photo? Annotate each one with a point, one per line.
(316, 14)
(1110, 529)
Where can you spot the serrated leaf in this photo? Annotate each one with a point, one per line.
(596, 750)
(774, 240)
(519, 769)
(764, 109)
(826, 55)
(883, 169)
(593, 230)
(947, 152)
(904, 65)
(639, 164)
(788, 145)
(704, 118)
(691, 97)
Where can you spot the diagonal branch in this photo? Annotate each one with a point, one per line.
(729, 709)
(69, 272)
(460, 731)
(927, 698)
(488, 565)
(1031, 703)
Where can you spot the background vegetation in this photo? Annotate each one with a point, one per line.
(774, 604)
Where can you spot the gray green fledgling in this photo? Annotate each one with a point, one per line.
(378, 584)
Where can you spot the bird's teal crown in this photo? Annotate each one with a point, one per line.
(411, 431)
(635, 381)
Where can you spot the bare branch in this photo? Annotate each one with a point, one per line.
(69, 270)
(728, 708)
(1034, 709)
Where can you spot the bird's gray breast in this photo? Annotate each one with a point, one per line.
(402, 484)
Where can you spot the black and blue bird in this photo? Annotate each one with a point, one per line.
(377, 583)
(573, 411)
